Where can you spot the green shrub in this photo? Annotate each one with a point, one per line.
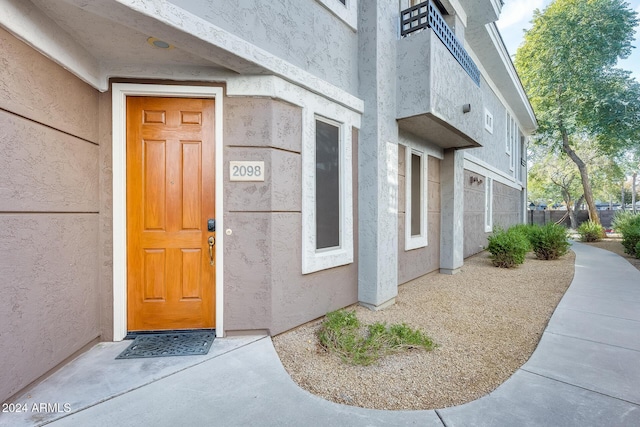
(638, 250)
(628, 224)
(342, 333)
(508, 248)
(590, 231)
(524, 229)
(549, 241)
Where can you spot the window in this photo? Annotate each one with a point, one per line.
(345, 10)
(415, 199)
(488, 121)
(327, 185)
(512, 142)
(488, 205)
(327, 191)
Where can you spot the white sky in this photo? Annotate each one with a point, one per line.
(516, 16)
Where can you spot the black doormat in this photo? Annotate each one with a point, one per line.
(169, 344)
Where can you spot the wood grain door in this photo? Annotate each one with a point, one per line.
(170, 198)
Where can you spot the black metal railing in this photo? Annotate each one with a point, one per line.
(426, 15)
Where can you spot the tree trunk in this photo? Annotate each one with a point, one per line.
(584, 176)
(573, 218)
(622, 196)
(633, 192)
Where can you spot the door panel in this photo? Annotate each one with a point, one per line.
(170, 196)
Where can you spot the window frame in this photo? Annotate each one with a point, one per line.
(421, 240)
(512, 145)
(488, 204)
(314, 259)
(340, 179)
(347, 12)
(488, 121)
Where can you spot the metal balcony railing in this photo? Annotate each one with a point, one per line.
(426, 15)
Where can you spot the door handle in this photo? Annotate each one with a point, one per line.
(212, 242)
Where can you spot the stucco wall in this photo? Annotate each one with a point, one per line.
(264, 284)
(417, 262)
(493, 150)
(49, 204)
(506, 211)
(475, 238)
(303, 33)
(507, 205)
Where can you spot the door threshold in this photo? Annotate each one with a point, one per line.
(133, 334)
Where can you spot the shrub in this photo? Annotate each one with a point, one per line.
(589, 231)
(524, 229)
(508, 248)
(628, 224)
(342, 333)
(549, 241)
(638, 250)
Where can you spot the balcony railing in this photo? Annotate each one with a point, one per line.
(426, 15)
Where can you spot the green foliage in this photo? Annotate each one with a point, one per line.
(567, 65)
(549, 241)
(628, 224)
(508, 248)
(590, 231)
(342, 333)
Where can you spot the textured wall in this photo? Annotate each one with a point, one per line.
(506, 211)
(507, 205)
(264, 284)
(378, 153)
(49, 203)
(493, 144)
(303, 33)
(474, 194)
(452, 211)
(105, 228)
(417, 262)
(431, 80)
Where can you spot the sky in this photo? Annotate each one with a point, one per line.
(516, 17)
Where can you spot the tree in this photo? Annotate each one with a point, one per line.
(567, 66)
(552, 175)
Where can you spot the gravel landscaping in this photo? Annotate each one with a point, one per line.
(486, 321)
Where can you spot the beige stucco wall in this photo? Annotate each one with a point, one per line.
(417, 262)
(49, 215)
(506, 210)
(264, 285)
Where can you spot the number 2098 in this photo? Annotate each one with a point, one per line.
(242, 171)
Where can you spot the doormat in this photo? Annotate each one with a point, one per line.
(169, 344)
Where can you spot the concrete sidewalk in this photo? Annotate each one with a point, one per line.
(584, 372)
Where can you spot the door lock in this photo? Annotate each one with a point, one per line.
(211, 225)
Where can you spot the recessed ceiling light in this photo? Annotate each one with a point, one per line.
(160, 44)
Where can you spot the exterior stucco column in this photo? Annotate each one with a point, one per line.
(452, 212)
(378, 155)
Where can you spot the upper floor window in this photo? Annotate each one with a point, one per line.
(512, 141)
(345, 10)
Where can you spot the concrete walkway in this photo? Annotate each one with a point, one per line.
(585, 372)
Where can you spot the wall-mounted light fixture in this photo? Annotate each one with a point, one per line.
(475, 179)
(466, 108)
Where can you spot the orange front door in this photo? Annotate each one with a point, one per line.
(170, 198)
